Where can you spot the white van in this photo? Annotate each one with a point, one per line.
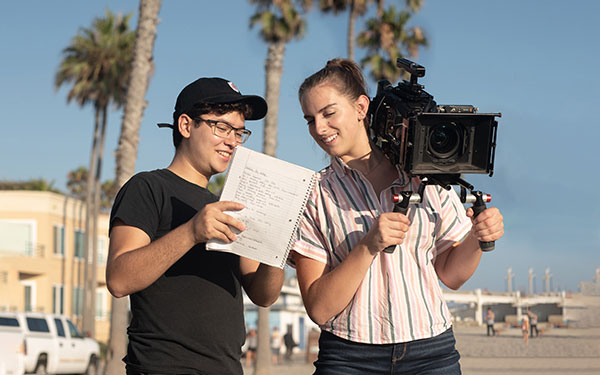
(53, 345)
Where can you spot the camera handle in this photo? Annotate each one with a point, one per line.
(479, 199)
(478, 207)
(401, 202)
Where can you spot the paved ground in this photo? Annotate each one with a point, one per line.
(558, 351)
(562, 351)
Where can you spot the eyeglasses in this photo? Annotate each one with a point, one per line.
(222, 130)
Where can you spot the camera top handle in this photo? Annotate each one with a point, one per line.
(416, 71)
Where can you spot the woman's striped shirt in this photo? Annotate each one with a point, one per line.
(400, 298)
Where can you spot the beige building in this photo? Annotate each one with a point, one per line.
(41, 256)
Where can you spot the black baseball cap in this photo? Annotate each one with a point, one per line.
(216, 90)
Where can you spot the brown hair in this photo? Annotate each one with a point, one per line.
(343, 74)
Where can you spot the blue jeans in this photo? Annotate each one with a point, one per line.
(433, 356)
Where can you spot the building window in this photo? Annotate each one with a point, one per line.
(79, 243)
(29, 295)
(102, 250)
(101, 299)
(59, 240)
(58, 296)
(18, 236)
(77, 300)
(28, 299)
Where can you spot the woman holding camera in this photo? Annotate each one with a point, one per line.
(380, 313)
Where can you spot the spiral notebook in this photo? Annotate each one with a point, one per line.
(275, 194)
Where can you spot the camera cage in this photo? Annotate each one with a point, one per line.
(437, 143)
(404, 121)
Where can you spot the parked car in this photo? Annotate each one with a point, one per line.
(12, 346)
(52, 344)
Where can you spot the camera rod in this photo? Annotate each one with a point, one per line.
(477, 198)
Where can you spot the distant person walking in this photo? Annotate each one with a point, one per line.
(276, 345)
(525, 328)
(252, 339)
(490, 317)
(533, 320)
(288, 341)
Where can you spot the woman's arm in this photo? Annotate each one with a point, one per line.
(456, 265)
(326, 292)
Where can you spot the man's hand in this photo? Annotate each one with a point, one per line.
(213, 223)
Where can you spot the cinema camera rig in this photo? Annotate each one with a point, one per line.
(437, 143)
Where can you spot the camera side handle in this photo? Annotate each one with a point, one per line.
(401, 202)
(478, 207)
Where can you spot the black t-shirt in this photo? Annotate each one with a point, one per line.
(190, 320)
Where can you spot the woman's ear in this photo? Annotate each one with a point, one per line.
(362, 106)
(185, 123)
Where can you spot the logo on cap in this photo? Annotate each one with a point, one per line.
(233, 87)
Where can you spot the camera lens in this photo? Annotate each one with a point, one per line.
(444, 140)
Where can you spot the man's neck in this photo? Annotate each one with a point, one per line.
(185, 170)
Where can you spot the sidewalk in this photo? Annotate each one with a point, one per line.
(297, 366)
(559, 351)
(481, 366)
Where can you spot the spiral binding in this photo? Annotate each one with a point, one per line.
(298, 218)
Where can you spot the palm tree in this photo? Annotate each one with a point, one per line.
(388, 37)
(38, 184)
(356, 8)
(77, 182)
(108, 191)
(96, 63)
(135, 103)
(280, 22)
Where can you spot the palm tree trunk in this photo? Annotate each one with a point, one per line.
(263, 349)
(87, 320)
(274, 70)
(93, 280)
(126, 157)
(136, 92)
(351, 26)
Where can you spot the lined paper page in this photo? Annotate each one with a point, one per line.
(274, 193)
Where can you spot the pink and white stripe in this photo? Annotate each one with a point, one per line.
(400, 298)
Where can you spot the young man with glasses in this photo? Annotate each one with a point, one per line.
(186, 302)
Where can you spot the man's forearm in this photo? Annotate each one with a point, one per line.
(264, 285)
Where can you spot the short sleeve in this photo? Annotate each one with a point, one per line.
(455, 225)
(137, 205)
(310, 241)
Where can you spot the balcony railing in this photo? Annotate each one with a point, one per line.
(30, 250)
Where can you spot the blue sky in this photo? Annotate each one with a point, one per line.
(536, 62)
